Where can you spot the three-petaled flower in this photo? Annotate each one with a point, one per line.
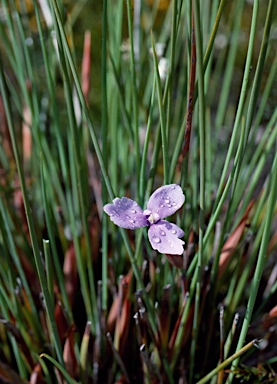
(163, 235)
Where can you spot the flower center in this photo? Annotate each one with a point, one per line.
(153, 217)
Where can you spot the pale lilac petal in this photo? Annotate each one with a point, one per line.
(166, 200)
(164, 237)
(126, 213)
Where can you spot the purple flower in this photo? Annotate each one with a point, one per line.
(163, 235)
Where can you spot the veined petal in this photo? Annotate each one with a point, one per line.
(166, 200)
(164, 237)
(126, 213)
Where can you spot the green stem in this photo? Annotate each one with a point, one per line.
(31, 226)
(201, 92)
(134, 93)
(227, 362)
(261, 261)
(104, 129)
(162, 117)
(241, 100)
(101, 161)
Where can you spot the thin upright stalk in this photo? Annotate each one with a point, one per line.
(241, 99)
(31, 226)
(101, 161)
(190, 104)
(134, 93)
(262, 257)
(104, 129)
(162, 115)
(202, 134)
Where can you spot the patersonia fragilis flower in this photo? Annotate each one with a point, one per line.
(163, 235)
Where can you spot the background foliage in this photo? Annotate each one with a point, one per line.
(116, 98)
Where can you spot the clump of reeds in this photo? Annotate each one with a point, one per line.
(158, 92)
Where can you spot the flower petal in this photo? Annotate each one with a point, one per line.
(164, 237)
(166, 200)
(126, 213)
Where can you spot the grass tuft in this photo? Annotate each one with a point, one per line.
(108, 99)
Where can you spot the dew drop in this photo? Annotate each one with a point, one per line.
(174, 203)
(174, 232)
(136, 205)
(131, 221)
(172, 187)
(161, 205)
(133, 211)
(127, 217)
(169, 205)
(162, 233)
(167, 201)
(156, 239)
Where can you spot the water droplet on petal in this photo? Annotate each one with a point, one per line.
(172, 187)
(174, 203)
(161, 205)
(131, 221)
(174, 232)
(127, 217)
(167, 201)
(169, 205)
(133, 211)
(162, 233)
(156, 239)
